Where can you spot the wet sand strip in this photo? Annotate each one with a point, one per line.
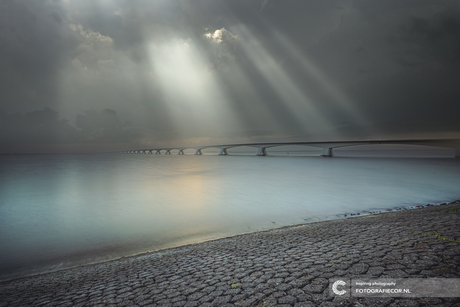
(289, 266)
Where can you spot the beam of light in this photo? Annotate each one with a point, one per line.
(327, 85)
(262, 110)
(247, 102)
(293, 98)
(314, 71)
(193, 96)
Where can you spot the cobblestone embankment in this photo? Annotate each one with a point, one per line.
(282, 267)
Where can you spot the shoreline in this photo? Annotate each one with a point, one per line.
(295, 260)
(334, 217)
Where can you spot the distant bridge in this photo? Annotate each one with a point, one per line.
(327, 147)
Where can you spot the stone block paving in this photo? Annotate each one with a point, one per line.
(288, 266)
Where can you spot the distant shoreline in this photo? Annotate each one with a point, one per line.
(381, 154)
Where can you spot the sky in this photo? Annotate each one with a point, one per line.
(109, 75)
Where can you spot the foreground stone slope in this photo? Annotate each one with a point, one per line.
(282, 267)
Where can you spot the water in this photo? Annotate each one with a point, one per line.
(58, 211)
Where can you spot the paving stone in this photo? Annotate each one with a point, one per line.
(221, 300)
(395, 274)
(404, 303)
(376, 271)
(359, 268)
(303, 297)
(314, 288)
(284, 287)
(278, 294)
(288, 299)
(195, 296)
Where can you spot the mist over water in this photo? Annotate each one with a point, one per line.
(63, 210)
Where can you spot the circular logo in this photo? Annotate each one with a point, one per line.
(339, 283)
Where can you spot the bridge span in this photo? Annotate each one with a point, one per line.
(327, 146)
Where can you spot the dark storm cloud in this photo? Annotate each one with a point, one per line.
(105, 126)
(437, 37)
(32, 46)
(36, 127)
(398, 62)
(334, 69)
(44, 127)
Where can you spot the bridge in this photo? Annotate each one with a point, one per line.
(327, 146)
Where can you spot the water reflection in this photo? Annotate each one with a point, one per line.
(62, 210)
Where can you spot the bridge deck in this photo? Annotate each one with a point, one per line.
(327, 146)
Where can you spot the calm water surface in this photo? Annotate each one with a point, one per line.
(62, 210)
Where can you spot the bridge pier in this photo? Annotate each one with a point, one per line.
(181, 152)
(168, 152)
(327, 152)
(158, 152)
(223, 152)
(261, 152)
(198, 152)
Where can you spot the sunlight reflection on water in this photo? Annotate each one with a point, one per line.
(71, 209)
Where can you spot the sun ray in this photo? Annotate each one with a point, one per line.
(327, 85)
(280, 81)
(192, 93)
